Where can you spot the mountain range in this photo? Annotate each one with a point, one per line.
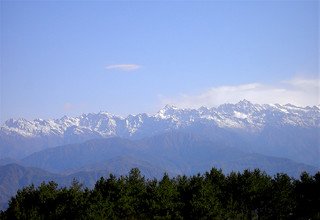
(232, 137)
(277, 130)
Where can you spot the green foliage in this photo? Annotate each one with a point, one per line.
(247, 195)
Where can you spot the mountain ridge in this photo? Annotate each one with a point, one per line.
(173, 152)
(104, 123)
(275, 130)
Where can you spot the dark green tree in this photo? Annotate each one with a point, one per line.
(246, 195)
(282, 203)
(307, 192)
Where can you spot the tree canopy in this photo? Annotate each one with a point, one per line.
(212, 195)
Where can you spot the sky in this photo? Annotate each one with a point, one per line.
(72, 57)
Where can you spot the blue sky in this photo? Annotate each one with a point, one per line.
(71, 57)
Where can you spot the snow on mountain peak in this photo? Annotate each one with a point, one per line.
(242, 115)
(167, 111)
(245, 102)
(170, 107)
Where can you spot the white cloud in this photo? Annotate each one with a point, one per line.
(123, 67)
(297, 91)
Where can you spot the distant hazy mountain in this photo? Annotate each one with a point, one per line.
(14, 176)
(277, 130)
(175, 153)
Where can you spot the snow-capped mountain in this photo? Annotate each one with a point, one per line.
(243, 115)
(278, 130)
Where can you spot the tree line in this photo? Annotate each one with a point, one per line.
(212, 195)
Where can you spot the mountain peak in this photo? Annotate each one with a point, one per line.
(245, 102)
(203, 109)
(243, 115)
(170, 107)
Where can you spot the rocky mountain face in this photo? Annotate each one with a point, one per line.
(276, 130)
(243, 115)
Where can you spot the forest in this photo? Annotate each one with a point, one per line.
(251, 194)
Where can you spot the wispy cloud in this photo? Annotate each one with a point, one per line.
(123, 67)
(297, 91)
(68, 107)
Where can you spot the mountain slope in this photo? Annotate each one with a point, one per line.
(14, 177)
(177, 153)
(276, 130)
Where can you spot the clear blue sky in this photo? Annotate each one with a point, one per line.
(71, 57)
